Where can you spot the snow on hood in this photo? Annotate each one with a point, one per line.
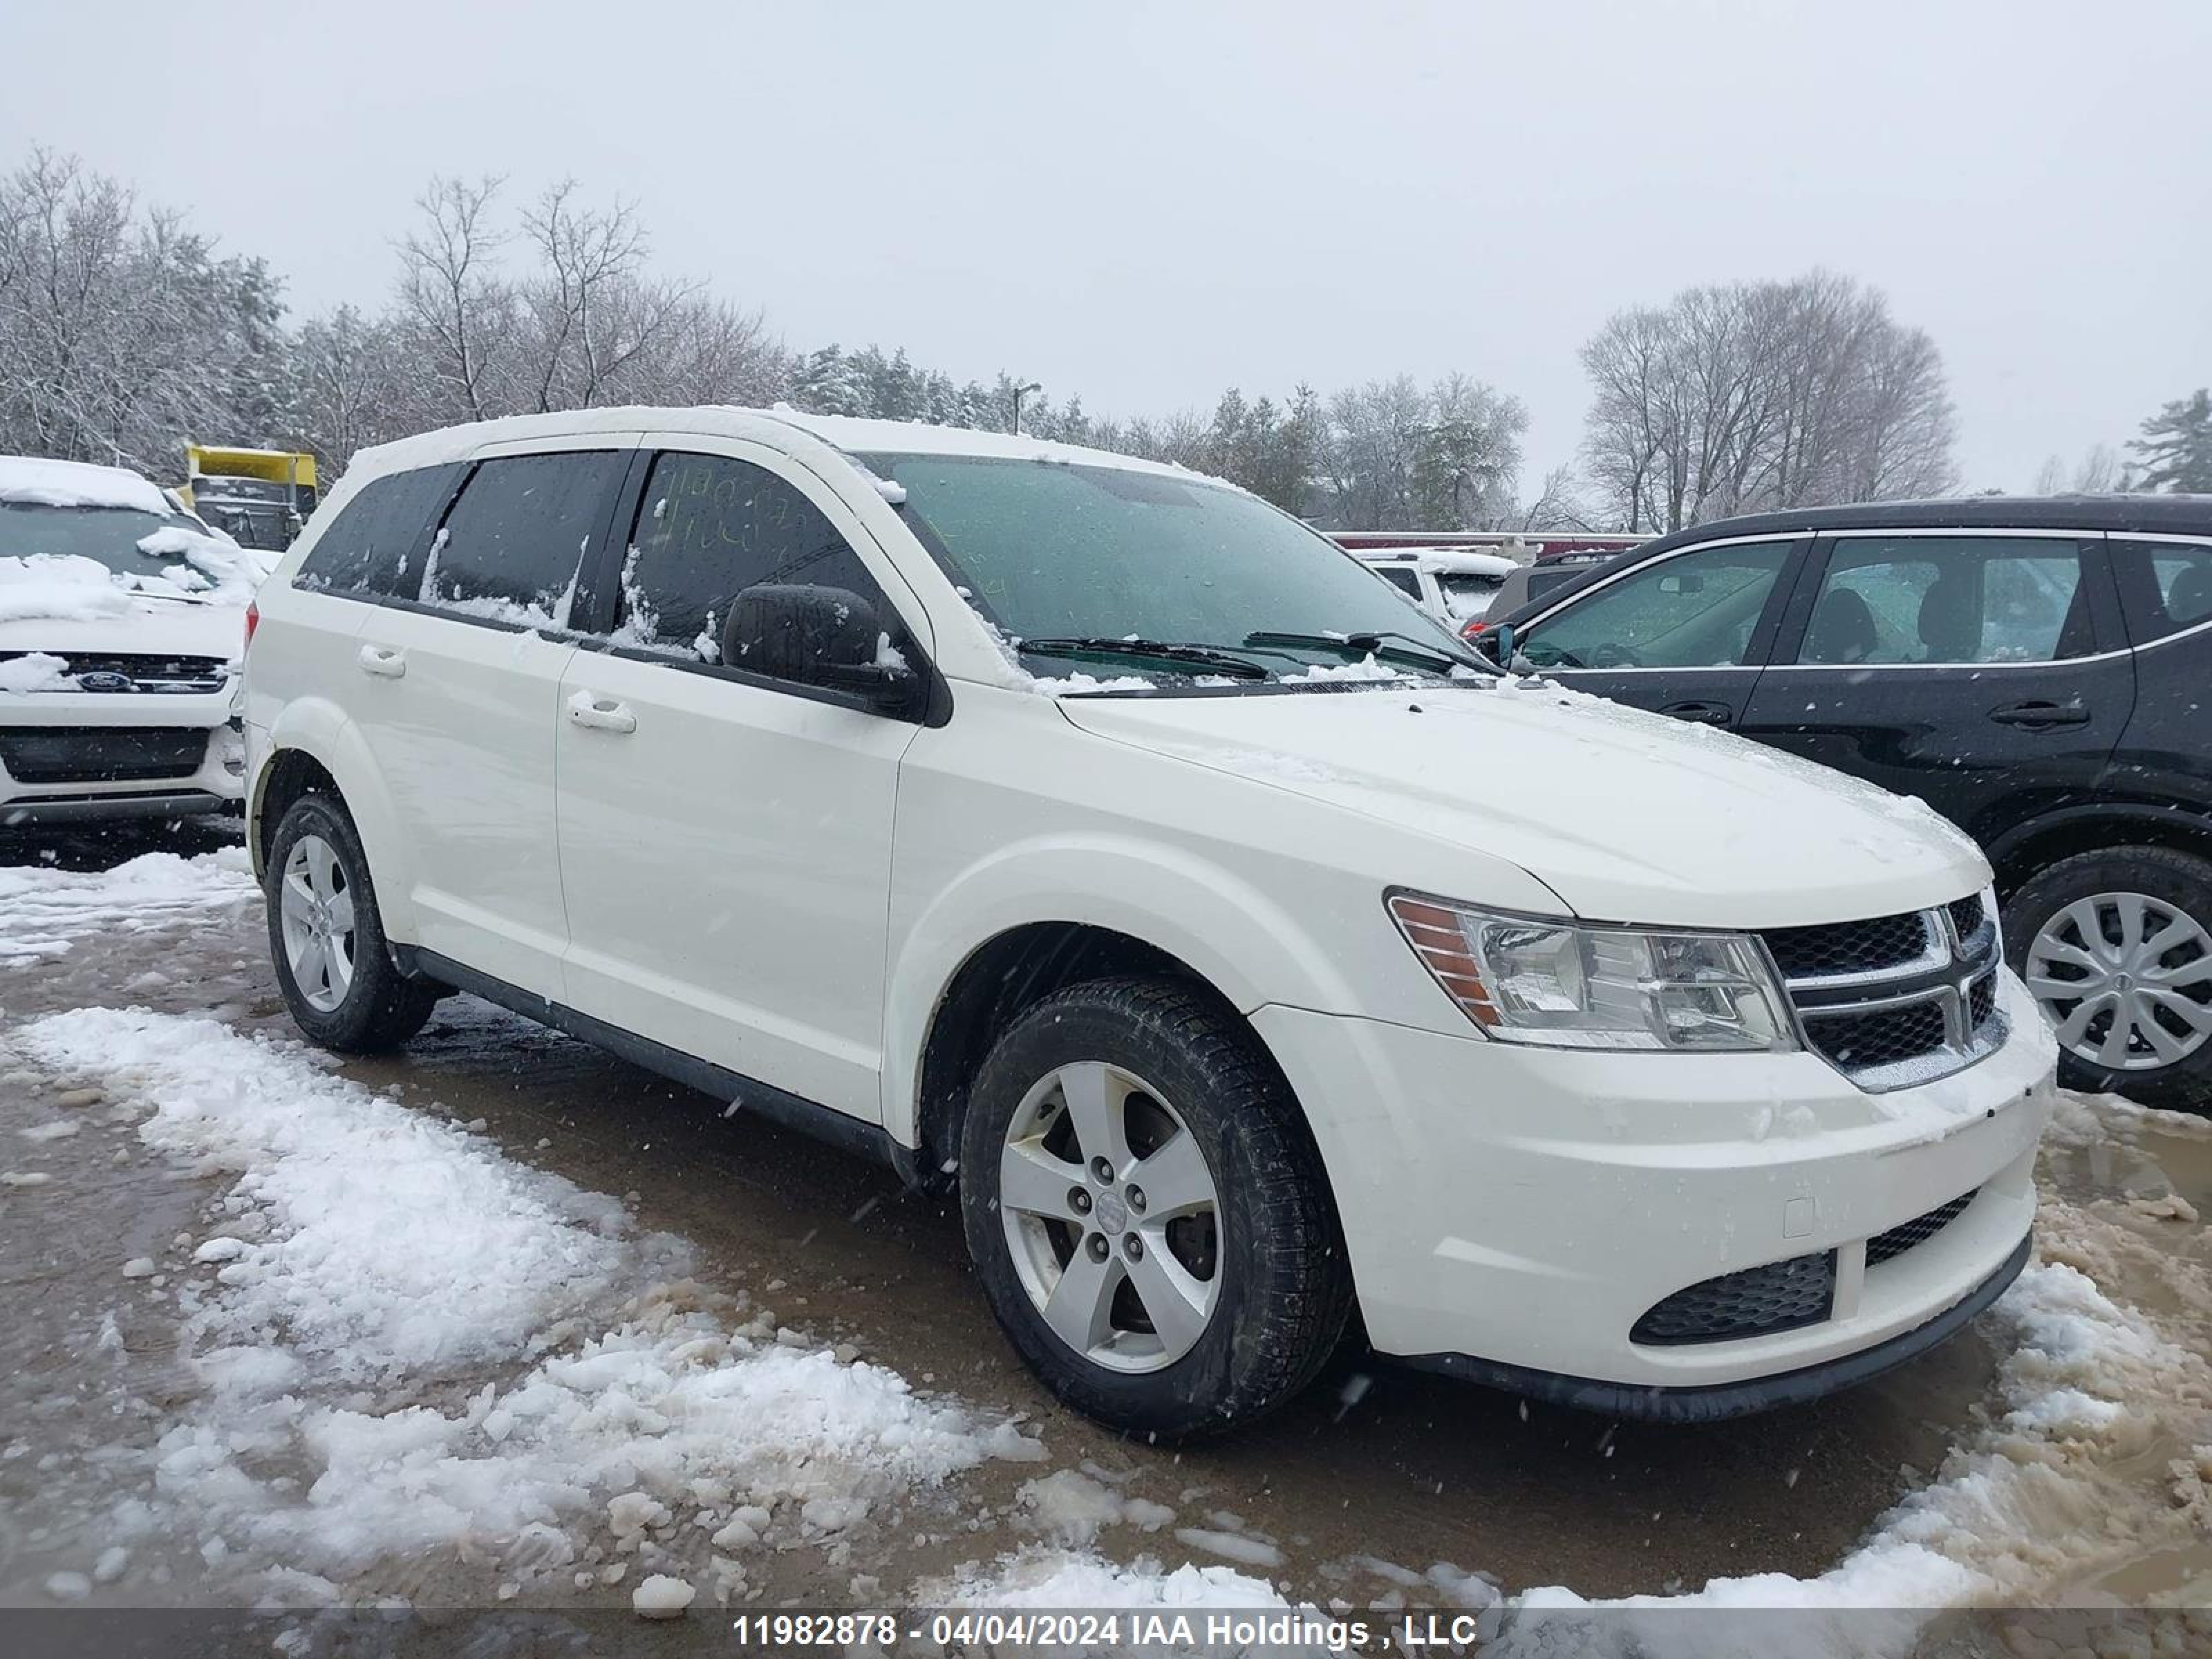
(1629, 816)
(77, 484)
(212, 570)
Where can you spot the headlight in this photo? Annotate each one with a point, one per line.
(1563, 984)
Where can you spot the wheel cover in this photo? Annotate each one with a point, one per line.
(1111, 1216)
(314, 911)
(2125, 980)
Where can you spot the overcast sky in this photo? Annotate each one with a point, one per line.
(1144, 203)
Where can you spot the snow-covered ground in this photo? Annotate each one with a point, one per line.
(349, 1347)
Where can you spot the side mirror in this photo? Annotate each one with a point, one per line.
(1499, 640)
(825, 636)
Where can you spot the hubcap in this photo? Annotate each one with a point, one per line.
(2125, 980)
(1111, 1216)
(314, 909)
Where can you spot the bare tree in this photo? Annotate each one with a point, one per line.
(460, 308)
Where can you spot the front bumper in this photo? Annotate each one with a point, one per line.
(1511, 1212)
(71, 757)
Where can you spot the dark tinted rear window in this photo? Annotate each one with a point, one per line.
(2165, 587)
(372, 546)
(512, 547)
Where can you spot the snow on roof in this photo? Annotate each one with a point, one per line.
(31, 482)
(1440, 560)
(843, 433)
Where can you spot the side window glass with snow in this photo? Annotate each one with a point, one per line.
(514, 545)
(710, 528)
(1911, 599)
(376, 545)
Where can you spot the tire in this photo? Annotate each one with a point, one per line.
(1270, 1265)
(373, 1007)
(2148, 890)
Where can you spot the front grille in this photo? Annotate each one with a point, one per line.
(1966, 916)
(157, 675)
(1883, 1036)
(101, 754)
(1884, 1247)
(1850, 947)
(1757, 1302)
(1981, 1000)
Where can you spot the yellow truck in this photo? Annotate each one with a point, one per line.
(260, 497)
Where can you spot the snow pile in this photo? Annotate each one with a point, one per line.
(1367, 668)
(2037, 1497)
(35, 670)
(215, 566)
(374, 1264)
(1064, 1578)
(43, 912)
(33, 483)
(60, 587)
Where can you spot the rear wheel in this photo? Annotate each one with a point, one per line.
(327, 936)
(2116, 947)
(1145, 1211)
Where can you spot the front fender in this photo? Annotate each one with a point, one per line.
(324, 733)
(1221, 926)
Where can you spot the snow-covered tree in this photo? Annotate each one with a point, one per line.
(2175, 446)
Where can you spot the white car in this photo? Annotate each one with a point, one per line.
(1452, 584)
(122, 616)
(1092, 837)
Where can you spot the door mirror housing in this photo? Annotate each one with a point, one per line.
(1498, 642)
(829, 637)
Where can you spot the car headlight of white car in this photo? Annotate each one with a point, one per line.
(1565, 984)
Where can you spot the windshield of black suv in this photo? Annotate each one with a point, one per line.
(1120, 559)
(166, 554)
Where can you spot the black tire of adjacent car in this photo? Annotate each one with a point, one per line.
(1286, 1288)
(382, 1007)
(2181, 879)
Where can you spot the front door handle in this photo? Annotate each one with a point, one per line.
(382, 661)
(1700, 713)
(587, 709)
(2041, 716)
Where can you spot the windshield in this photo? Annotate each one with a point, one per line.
(1047, 550)
(168, 556)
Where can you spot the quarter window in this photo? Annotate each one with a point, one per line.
(1914, 599)
(376, 535)
(512, 546)
(709, 527)
(2165, 587)
(1694, 611)
(1401, 579)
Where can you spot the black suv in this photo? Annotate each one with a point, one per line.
(2037, 671)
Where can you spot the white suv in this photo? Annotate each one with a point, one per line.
(1088, 834)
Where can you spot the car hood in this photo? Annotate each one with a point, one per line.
(133, 624)
(1627, 816)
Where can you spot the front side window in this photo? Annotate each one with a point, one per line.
(2165, 587)
(1048, 551)
(1913, 599)
(375, 537)
(513, 545)
(1694, 611)
(708, 527)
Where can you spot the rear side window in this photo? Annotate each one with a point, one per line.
(511, 548)
(369, 547)
(709, 527)
(1910, 599)
(1401, 578)
(2165, 587)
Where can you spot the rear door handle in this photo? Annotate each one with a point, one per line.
(382, 661)
(2041, 716)
(600, 713)
(1700, 713)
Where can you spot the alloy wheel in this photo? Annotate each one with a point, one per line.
(2125, 980)
(315, 908)
(1112, 1217)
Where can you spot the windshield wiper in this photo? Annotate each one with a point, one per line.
(1212, 658)
(1369, 643)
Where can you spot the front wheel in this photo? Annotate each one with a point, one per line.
(1145, 1211)
(2116, 947)
(327, 936)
